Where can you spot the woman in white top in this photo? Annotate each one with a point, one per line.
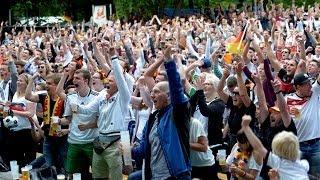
(20, 139)
(285, 155)
(202, 159)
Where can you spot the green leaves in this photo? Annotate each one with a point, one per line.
(38, 8)
(79, 9)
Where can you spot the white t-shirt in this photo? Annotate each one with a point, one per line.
(23, 122)
(202, 119)
(199, 159)
(143, 116)
(75, 135)
(289, 170)
(308, 123)
(251, 164)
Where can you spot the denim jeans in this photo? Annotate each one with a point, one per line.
(311, 152)
(39, 162)
(137, 175)
(55, 152)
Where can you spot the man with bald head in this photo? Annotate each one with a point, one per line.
(164, 144)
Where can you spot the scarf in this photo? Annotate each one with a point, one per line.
(57, 111)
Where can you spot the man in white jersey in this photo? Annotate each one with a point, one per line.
(80, 148)
(304, 108)
(112, 110)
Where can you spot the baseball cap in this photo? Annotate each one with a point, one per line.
(206, 63)
(301, 78)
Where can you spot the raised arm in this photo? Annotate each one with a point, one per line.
(245, 52)
(29, 94)
(190, 48)
(122, 86)
(301, 48)
(282, 104)
(14, 76)
(273, 60)
(128, 53)
(59, 90)
(208, 47)
(302, 67)
(201, 101)
(215, 62)
(258, 50)
(64, 44)
(256, 144)
(99, 57)
(145, 94)
(263, 108)
(223, 96)
(151, 70)
(176, 89)
(242, 87)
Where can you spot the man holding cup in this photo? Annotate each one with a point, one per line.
(55, 141)
(304, 109)
(80, 146)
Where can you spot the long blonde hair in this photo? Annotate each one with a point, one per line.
(26, 78)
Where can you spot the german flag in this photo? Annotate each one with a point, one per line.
(236, 45)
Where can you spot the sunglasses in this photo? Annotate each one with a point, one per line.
(234, 93)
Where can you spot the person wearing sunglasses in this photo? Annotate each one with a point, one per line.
(238, 101)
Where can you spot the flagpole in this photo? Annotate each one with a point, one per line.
(244, 32)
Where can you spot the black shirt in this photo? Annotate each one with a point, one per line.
(267, 133)
(236, 113)
(214, 111)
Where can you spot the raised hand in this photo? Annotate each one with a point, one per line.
(167, 53)
(246, 119)
(112, 51)
(141, 82)
(199, 83)
(266, 38)
(256, 78)
(226, 72)
(35, 76)
(239, 67)
(276, 84)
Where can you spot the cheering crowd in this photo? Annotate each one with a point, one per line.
(237, 94)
